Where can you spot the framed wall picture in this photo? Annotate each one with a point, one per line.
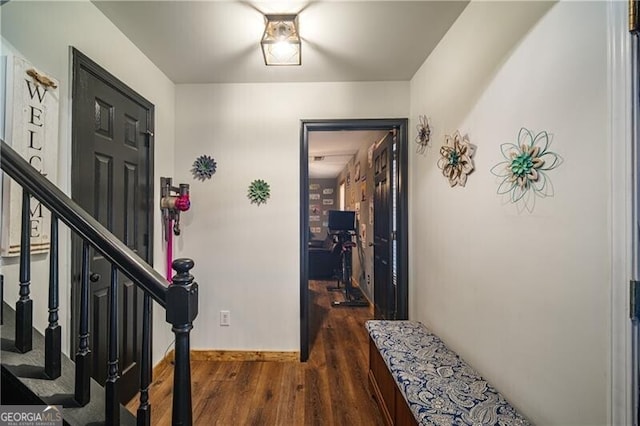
(371, 213)
(370, 154)
(314, 196)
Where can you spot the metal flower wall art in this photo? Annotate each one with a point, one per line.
(424, 134)
(259, 192)
(456, 158)
(203, 168)
(523, 173)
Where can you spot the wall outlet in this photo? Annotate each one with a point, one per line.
(225, 318)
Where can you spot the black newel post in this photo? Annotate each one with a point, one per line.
(24, 305)
(52, 335)
(182, 309)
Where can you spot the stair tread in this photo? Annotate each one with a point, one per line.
(29, 369)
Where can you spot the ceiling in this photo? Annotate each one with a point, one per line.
(218, 41)
(209, 41)
(335, 149)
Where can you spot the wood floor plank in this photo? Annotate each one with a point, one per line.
(331, 388)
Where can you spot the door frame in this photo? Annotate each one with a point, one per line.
(624, 140)
(80, 62)
(403, 215)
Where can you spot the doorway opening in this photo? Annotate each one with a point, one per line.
(369, 191)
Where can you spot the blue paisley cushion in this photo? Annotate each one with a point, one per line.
(439, 387)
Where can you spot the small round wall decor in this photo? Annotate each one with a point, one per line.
(424, 134)
(203, 168)
(523, 172)
(259, 192)
(456, 160)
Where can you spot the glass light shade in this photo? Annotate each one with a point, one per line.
(281, 42)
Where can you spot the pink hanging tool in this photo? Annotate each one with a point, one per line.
(173, 200)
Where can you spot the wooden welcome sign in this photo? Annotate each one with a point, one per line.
(31, 128)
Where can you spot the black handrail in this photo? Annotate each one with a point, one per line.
(180, 300)
(68, 211)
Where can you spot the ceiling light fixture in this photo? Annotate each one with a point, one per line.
(281, 42)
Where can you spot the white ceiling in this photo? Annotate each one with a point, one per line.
(214, 41)
(218, 41)
(337, 148)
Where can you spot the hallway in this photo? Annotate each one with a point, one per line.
(330, 389)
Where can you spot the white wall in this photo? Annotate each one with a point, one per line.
(42, 32)
(523, 297)
(247, 256)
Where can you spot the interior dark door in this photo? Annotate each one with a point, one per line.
(111, 169)
(384, 291)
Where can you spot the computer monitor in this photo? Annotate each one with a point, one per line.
(342, 220)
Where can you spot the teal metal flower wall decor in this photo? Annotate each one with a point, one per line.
(424, 134)
(456, 160)
(522, 174)
(203, 168)
(259, 192)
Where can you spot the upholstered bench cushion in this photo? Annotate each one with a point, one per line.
(439, 387)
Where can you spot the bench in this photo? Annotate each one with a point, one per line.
(417, 380)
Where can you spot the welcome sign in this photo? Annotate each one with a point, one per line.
(31, 128)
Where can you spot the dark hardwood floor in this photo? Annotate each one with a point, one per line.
(330, 389)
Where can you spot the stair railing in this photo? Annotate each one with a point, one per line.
(180, 299)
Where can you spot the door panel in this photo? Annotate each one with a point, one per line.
(384, 290)
(131, 201)
(111, 181)
(129, 337)
(102, 189)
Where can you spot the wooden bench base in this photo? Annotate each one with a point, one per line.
(392, 404)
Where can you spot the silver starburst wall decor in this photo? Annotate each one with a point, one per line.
(203, 168)
(259, 192)
(423, 134)
(456, 158)
(522, 174)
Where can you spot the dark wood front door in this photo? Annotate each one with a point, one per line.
(384, 289)
(111, 170)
